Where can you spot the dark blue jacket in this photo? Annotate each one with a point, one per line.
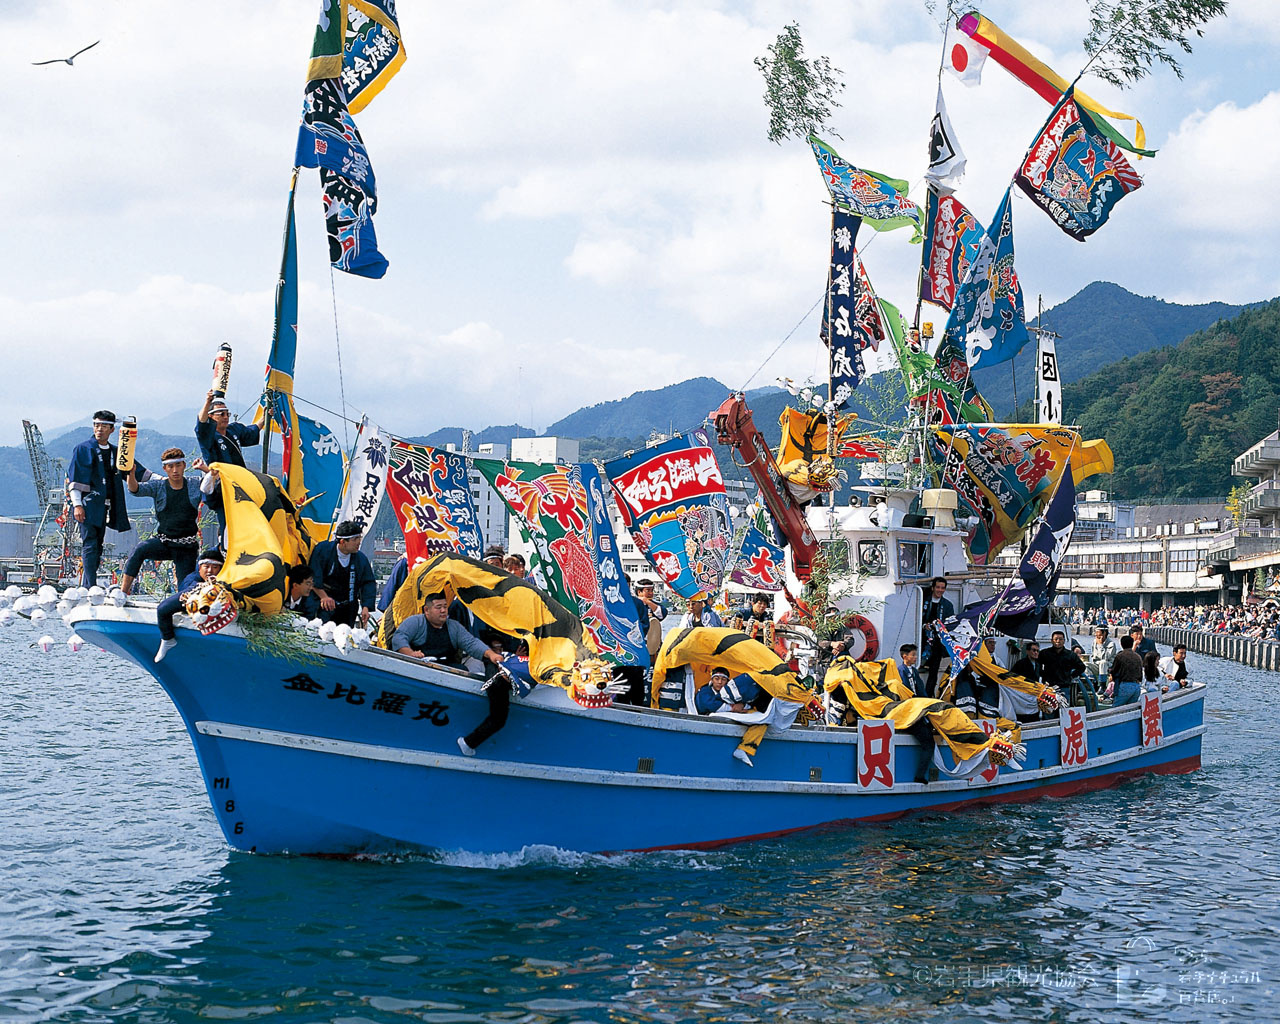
(87, 468)
(217, 447)
(324, 563)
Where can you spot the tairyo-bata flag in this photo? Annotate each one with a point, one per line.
(1075, 173)
(366, 477)
(879, 200)
(359, 42)
(987, 318)
(761, 564)
(946, 158)
(952, 235)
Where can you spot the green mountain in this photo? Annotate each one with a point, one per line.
(1098, 325)
(1177, 417)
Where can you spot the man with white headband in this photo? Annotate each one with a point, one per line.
(207, 567)
(221, 440)
(177, 500)
(97, 493)
(344, 579)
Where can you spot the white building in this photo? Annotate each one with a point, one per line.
(544, 449)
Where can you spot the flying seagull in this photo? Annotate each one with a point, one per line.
(65, 60)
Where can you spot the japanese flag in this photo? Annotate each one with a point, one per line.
(963, 56)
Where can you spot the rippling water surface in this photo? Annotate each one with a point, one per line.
(1156, 901)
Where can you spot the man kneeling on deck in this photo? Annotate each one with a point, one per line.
(432, 634)
(723, 694)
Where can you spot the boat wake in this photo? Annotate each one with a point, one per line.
(555, 857)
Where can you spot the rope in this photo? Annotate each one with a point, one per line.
(337, 340)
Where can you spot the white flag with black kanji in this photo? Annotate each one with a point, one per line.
(946, 158)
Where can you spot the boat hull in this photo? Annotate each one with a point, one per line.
(359, 754)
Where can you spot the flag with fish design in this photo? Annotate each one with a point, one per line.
(673, 501)
(1004, 473)
(879, 200)
(1016, 611)
(987, 318)
(1073, 172)
(366, 477)
(430, 492)
(760, 564)
(561, 512)
(951, 238)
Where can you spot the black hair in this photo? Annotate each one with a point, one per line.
(906, 649)
(300, 573)
(1126, 642)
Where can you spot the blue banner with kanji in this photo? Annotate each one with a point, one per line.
(951, 238)
(1075, 173)
(987, 318)
(673, 502)
(760, 564)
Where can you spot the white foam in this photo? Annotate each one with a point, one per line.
(554, 856)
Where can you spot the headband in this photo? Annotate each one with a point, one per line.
(109, 423)
(172, 462)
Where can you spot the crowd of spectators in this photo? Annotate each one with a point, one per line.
(1253, 621)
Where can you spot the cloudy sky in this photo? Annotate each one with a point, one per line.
(577, 199)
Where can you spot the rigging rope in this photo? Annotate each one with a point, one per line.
(337, 340)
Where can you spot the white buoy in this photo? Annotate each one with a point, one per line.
(6, 617)
(74, 643)
(46, 643)
(64, 607)
(314, 625)
(118, 598)
(76, 595)
(326, 631)
(360, 639)
(46, 594)
(39, 615)
(13, 591)
(5, 600)
(342, 638)
(20, 604)
(97, 595)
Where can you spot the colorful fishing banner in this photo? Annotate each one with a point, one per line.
(328, 139)
(1017, 611)
(673, 501)
(851, 323)
(1048, 382)
(944, 389)
(561, 512)
(760, 564)
(960, 640)
(946, 158)
(1004, 474)
(804, 438)
(1074, 173)
(430, 492)
(879, 200)
(359, 42)
(987, 316)
(318, 491)
(1043, 80)
(366, 477)
(951, 238)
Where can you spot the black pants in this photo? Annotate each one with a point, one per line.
(499, 694)
(347, 613)
(91, 538)
(161, 549)
(637, 694)
(165, 611)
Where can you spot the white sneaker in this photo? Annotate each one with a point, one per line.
(165, 647)
(741, 755)
(468, 750)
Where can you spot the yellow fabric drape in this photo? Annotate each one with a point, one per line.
(875, 690)
(557, 643)
(265, 536)
(736, 652)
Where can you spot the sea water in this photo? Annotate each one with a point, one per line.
(119, 901)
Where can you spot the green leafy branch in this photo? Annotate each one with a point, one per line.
(800, 93)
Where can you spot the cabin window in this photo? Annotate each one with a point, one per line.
(915, 559)
(836, 552)
(871, 558)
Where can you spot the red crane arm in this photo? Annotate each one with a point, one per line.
(736, 428)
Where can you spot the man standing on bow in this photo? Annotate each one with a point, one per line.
(221, 440)
(344, 578)
(97, 493)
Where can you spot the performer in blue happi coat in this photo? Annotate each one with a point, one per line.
(221, 440)
(344, 577)
(725, 694)
(97, 493)
(207, 567)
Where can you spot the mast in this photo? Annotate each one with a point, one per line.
(284, 334)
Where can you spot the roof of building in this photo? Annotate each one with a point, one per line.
(1161, 515)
